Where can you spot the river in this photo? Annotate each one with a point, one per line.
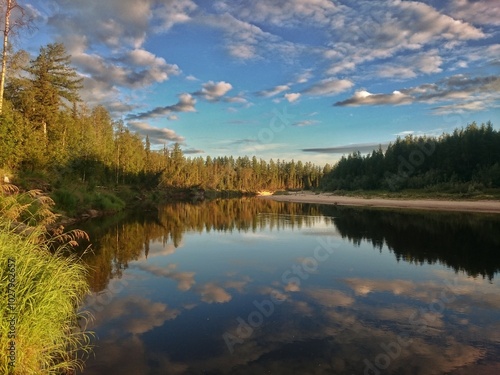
(250, 286)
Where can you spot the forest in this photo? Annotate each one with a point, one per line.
(47, 129)
(466, 160)
(49, 134)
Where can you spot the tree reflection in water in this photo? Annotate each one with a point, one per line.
(191, 270)
(418, 237)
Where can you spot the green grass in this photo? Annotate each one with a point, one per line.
(76, 201)
(46, 285)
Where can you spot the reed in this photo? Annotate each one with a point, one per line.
(41, 288)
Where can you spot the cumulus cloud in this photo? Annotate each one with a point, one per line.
(284, 13)
(156, 135)
(412, 66)
(484, 12)
(329, 86)
(273, 91)
(304, 77)
(122, 72)
(214, 91)
(186, 103)
(235, 99)
(364, 97)
(292, 97)
(247, 41)
(457, 87)
(118, 22)
(381, 30)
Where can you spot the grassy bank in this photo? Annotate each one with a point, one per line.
(42, 286)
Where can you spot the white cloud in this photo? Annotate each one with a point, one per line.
(236, 99)
(292, 97)
(273, 91)
(411, 66)
(156, 135)
(373, 30)
(135, 68)
(172, 12)
(363, 97)
(306, 123)
(118, 22)
(469, 93)
(329, 86)
(471, 106)
(186, 103)
(304, 76)
(214, 91)
(283, 13)
(484, 12)
(246, 41)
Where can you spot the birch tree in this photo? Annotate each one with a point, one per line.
(9, 8)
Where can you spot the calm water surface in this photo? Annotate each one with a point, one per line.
(260, 287)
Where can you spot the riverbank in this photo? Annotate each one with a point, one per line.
(485, 206)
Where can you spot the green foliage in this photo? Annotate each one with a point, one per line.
(78, 200)
(46, 128)
(466, 161)
(66, 200)
(48, 287)
(104, 201)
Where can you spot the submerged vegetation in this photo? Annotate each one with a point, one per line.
(43, 285)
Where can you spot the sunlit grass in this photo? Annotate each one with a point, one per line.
(50, 284)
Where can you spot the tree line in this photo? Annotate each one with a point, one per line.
(467, 158)
(46, 127)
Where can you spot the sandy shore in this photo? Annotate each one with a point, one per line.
(422, 204)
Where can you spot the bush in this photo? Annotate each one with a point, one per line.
(105, 202)
(66, 200)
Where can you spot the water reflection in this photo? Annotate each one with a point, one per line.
(225, 288)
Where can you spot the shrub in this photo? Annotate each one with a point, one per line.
(66, 200)
(105, 202)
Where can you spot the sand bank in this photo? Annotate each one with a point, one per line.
(487, 206)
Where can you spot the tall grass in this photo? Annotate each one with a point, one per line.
(49, 285)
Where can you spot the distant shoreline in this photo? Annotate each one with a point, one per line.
(482, 206)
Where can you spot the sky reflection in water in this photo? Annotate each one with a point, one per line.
(254, 287)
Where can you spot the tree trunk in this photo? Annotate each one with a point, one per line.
(6, 31)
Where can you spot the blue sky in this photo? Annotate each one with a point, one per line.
(281, 79)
